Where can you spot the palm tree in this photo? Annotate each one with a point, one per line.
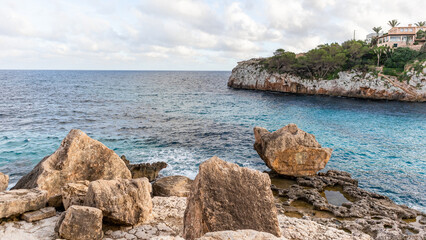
(393, 23)
(377, 30)
(420, 24)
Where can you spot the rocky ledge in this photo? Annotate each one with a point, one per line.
(251, 75)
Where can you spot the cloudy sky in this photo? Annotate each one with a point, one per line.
(180, 34)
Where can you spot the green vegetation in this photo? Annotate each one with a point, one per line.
(327, 60)
(420, 24)
(393, 23)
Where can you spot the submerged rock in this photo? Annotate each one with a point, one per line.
(78, 158)
(16, 202)
(148, 170)
(290, 151)
(80, 223)
(225, 196)
(38, 215)
(4, 181)
(123, 201)
(74, 193)
(179, 186)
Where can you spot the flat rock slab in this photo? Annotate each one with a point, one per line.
(43, 213)
(80, 223)
(246, 234)
(178, 186)
(16, 202)
(225, 196)
(123, 202)
(4, 181)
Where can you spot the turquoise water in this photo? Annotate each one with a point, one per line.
(184, 118)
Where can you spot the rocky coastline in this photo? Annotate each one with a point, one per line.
(86, 191)
(251, 75)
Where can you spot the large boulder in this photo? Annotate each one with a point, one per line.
(80, 223)
(78, 158)
(148, 170)
(74, 193)
(16, 202)
(290, 151)
(4, 181)
(225, 196)
(123, 202)
(179, 186)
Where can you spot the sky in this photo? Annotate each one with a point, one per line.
(181, 34)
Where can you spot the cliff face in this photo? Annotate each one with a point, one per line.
(250, 75)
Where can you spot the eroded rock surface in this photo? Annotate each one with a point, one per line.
(361, 212)
(74, 193)
(38, 215)
(80, 223)
(225, 196)
(16, 202)
(4, 181)
(148, 170)
(123, 201)
(252, 75)
(290, 151)
(246, 234)
(78, 158)
(179, 186)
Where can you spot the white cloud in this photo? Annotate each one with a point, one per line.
(180, 34)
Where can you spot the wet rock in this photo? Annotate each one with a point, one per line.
(38, 215)
(225, 196)
(74, 193)
(15, 202)
(123, 201)
(4, 181)
(78, 158)
(290, 151)
(363, 213)
(80, 222)
(246, 234)
(148, 170)
(172, 186)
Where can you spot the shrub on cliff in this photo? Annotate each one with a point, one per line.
(400, 57)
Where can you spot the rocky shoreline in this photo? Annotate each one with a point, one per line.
(251, 75)
(86, 191)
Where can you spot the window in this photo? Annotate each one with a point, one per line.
(395, 39)
(406, 30)
(411, 29)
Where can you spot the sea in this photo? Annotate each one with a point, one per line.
(186, 117)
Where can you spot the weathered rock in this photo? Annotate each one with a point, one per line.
(169, 211)
(252, 75)
(123, 201)
(179, 186)
(246, 234)
(22, 230)
(148, 170)
(43, 213)
(127, 162)
(80, 222)
(55, 201)
(290, 151)
(4, 181)
(74, 193)
(361, 212)
(19, 201)
(225, 196)
(78, 158)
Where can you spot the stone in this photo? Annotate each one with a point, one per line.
(148, 170)
(290, 151)
(16, 202)
(79, 157)
(38, 215)
(74, 193)
(169, 211)
(4, 181)
(55, 201)
(225, 196)
(127, 162)
(80, 222)
(246, 234)
(179, 186)
(22, 230)
(122, 201)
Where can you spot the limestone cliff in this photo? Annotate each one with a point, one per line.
(251, 75)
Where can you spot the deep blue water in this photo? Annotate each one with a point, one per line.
(184, 118)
